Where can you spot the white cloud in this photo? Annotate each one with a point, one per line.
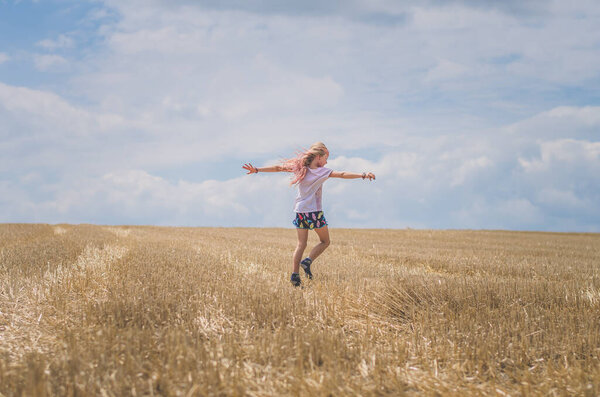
(62, 41)
(445, 70)
(520, 211)
(4, 57)
(394, 165)
(455, 17)
(468, 168)
(514, 213)
(135, 195)
(565, 153)
(42, 113)
(476, 36)
(560, 122)
(588, 115)
(562, 199)
(45, 62)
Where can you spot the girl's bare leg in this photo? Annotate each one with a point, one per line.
(323, 234)
(302, 241)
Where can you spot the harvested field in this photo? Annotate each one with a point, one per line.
(119, 310)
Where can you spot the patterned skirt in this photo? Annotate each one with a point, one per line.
(310, 220)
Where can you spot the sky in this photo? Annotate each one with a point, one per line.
(472, 114)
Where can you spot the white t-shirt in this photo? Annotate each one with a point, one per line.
(310, 190)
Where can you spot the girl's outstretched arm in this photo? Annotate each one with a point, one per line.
(253, 170)
(352, 175)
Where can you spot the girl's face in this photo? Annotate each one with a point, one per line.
(322, 160)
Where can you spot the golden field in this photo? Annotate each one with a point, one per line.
(112, 311)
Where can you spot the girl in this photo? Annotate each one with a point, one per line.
(309, 174)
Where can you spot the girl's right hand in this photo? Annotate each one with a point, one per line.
(251, 169)
(370, 176)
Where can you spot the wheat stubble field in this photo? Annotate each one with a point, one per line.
(111, 311)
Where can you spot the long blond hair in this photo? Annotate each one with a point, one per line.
(299, 164)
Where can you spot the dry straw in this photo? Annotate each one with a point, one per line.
(91, 310)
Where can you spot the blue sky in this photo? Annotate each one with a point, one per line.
(478, 115)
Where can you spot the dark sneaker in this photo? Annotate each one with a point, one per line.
(306, 266)
(295, 279)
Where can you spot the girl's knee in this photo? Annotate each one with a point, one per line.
(326, 242)
(301, 246)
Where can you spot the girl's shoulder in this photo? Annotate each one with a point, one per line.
(320, 170)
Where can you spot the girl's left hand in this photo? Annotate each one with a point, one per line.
(251, 169)
(370, 176)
